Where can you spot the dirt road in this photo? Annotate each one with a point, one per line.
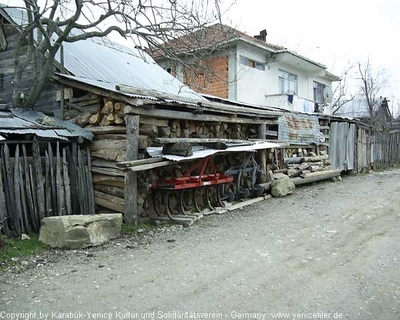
(330, 250)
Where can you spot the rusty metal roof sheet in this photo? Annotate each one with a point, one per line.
(299, 129)
(20, 121)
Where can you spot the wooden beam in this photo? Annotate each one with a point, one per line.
(107, 129)
(262, 158)
(181, 115)
(151, 166)
(132, 152)
(133, 163)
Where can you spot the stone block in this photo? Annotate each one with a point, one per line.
(282, 187)
(80, 231)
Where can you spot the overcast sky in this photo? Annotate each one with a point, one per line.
(334, 33)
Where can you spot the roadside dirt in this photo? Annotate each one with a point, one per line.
(330, 250)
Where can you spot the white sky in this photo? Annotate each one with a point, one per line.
(334, 33)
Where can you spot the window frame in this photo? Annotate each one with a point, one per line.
(287, 82)
(251, 63)
(318, 91)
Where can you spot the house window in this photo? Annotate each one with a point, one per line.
(287, 82)
(319, 92)
(252, 63)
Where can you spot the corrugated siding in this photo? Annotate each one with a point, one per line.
(342, 146)
(20, 121)
(363, 156)
(299, 129)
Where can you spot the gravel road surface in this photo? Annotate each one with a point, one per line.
(328, 251)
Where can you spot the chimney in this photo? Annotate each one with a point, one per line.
(262, 36)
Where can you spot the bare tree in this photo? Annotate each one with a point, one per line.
(342, 93)
(51, 23)
(372, 84)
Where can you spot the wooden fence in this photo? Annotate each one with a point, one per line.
(386, 150)
(48, 183)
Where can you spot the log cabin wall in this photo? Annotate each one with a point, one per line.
(48, 101)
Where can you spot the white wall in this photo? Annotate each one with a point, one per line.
(254, 85)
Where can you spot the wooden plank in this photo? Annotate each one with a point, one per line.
(52, 180)
(112, 190)
(47, 187)
(247, 202)
(110, 198)
(59, 183)
(8, 187)
(67, 184)
(262, 154)
(132, 151)
(107, 129)
(17, 196)
(114, 155)
(109, 171)
(181, 115)
(91, 204)
(151, 166)
(153, 121)
(73, 174)
(99, 179)
(3, 207)
(105, 163)
(108, 145)
(133, 163)
(109, 205)
(81, 183)
(30, 197)
(24, 201)
(110, 136)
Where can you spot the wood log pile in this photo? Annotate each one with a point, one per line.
(306, 162)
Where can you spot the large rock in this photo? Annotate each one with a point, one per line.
(282, 187)
(80, 231)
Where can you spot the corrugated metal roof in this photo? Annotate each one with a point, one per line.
(15, 15)
(299, 129)
(20, 121)
(201, 151)
(106, 64)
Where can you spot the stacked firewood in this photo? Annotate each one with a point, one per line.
(105, 114)
(306, 162)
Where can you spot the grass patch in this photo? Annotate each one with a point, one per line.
(17, 248)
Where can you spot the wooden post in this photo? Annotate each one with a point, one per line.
(132, 150)
(262, 159)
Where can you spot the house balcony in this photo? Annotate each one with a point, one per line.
(292, 103)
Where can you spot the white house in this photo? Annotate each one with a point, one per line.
(248, 69)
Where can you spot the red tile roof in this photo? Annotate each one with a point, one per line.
(209, 39)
